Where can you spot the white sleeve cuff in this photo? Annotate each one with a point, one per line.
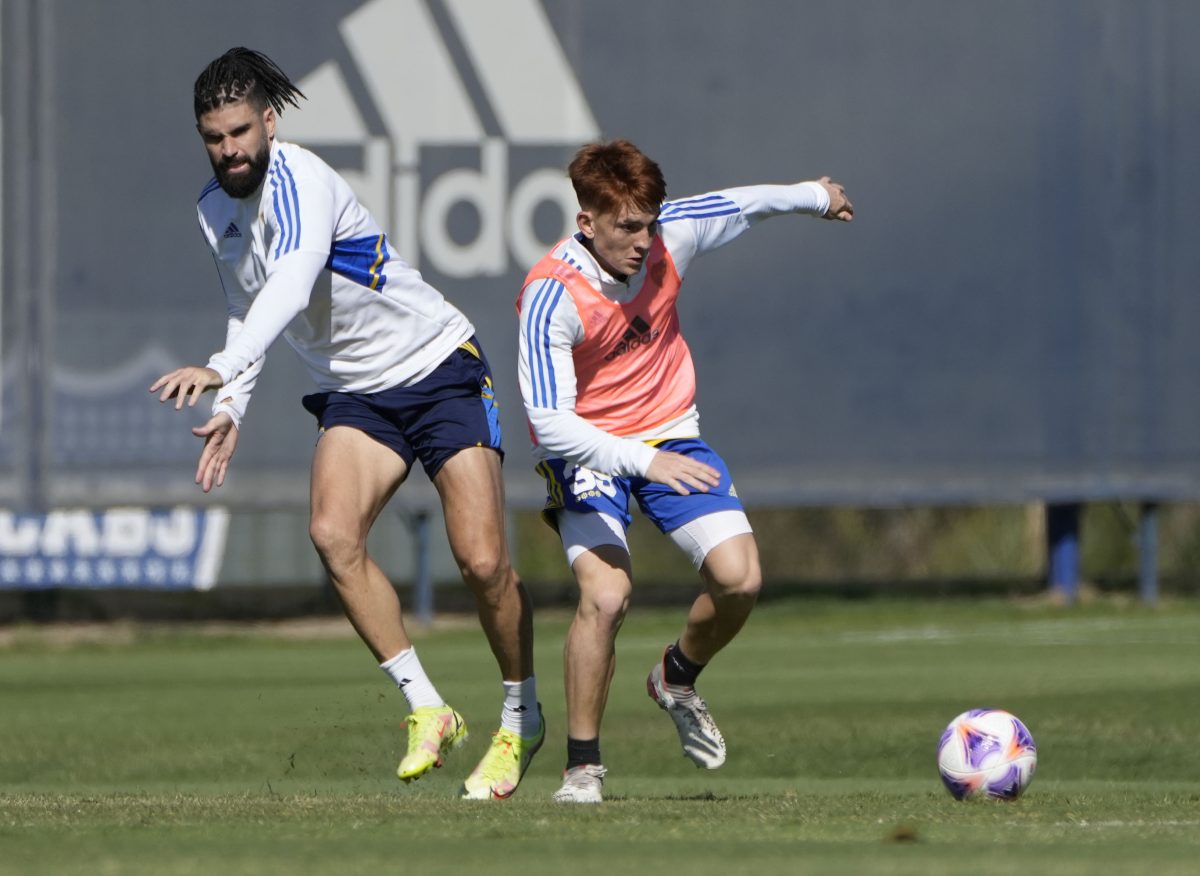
(235, 412)
(217, 362)
(641, 455)
(817, 200)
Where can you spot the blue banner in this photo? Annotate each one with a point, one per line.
(156, 549)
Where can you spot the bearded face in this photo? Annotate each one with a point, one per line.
(241, 175)
(237, 138)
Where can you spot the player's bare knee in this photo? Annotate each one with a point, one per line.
(488, 575)
(604, 604)
(336, 543)
(751, 584)
(744, 585)
(608, 606)
(733, 571)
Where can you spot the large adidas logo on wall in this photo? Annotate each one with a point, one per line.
(426, 78)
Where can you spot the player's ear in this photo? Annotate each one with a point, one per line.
(586, 224)
(269, 122)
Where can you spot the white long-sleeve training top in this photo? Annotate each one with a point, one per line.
(303, 258)
(550, 329)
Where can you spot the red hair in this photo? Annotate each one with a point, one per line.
(609, 176)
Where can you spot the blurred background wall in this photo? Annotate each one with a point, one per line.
(1009, 321)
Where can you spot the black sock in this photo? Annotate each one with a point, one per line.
(583, 751)
(678, 670)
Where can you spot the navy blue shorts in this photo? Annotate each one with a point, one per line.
(451, 409)
(571, 487)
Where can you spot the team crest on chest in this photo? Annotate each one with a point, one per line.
(657, 271)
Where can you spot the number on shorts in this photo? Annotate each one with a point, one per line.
(591, 483)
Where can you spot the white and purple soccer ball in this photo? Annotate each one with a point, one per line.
(986, 753)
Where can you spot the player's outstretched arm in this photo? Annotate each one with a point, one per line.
(840, 207)
(186, 384)
(681, 473)
(220, 441)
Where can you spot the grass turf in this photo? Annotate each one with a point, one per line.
(173, 751)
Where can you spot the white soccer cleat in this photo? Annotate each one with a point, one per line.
(582, 784)
(702, 742)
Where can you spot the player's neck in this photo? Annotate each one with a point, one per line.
(605, 267)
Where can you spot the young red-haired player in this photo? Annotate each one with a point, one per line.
(609, 391)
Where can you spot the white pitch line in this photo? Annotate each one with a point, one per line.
(1109, 824)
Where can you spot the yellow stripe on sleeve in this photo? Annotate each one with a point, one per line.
(378, 261)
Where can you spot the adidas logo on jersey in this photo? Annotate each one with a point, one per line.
(231, 230)
(440, 75)
(639, 334)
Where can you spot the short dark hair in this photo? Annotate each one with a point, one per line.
(608, 176)
(243, 74)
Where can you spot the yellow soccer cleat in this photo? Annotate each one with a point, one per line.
(432, 731)
(498, 774)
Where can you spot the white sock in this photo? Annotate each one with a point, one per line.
(405, 669)
(520, 713)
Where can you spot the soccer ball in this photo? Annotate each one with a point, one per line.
(986, 753)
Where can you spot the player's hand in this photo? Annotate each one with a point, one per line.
(681, 473)
(840, 207)
(186, 384)
(220, 440)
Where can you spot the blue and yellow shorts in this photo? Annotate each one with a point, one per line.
(573, 488)
(451, 409)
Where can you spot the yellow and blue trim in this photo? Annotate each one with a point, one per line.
(360, 259)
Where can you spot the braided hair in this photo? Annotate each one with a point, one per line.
(243, 74)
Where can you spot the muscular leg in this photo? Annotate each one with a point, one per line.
(353, 476)
(589, 655)
(472, 491)
(732, 581)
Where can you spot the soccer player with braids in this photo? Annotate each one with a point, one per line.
(609, 390)
(400, 377)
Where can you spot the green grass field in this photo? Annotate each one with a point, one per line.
(172, 750)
